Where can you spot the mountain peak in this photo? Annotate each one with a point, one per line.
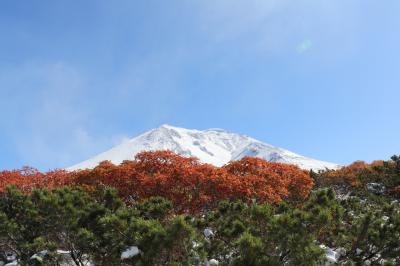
(214, 146)
(167, 126)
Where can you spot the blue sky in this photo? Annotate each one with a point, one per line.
(321, 78)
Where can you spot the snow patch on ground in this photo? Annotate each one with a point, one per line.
(130, 253)
(331, 256)
(208, 232)
(212, 262)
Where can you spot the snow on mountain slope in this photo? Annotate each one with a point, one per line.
(213, 146)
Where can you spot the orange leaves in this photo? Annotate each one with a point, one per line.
(190, 185)
(271, 182)
(29, 178)
(346, 175)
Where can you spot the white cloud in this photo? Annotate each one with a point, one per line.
(56, 103)
(43, 106)
(274, 27)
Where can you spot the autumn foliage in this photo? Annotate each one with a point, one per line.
(358, 174)
(189, 184)
(29, 178)
(347, 175)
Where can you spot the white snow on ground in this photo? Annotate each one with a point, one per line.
(331, 255)
(130, 252)
(208, 232)
(14, 263)
(213, 146)
(212, 262)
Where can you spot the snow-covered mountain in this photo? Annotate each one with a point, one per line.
(213, 146)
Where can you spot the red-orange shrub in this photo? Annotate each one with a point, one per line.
(271, 182)
(29, 178)
(189, 184)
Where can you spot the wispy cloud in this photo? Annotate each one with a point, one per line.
(64, 110)
(275, 27)
(48, 102)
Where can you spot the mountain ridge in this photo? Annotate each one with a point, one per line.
(214, 146)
